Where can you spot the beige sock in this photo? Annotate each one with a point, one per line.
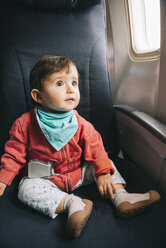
(73, 204)
(122, 196)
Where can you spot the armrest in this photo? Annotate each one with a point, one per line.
(143, 139)
(154, 126)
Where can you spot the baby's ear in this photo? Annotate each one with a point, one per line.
(36, 95)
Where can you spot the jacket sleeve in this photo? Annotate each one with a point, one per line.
(14, 157)
(94, 150)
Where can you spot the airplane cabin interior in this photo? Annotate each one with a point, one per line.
(122, 88)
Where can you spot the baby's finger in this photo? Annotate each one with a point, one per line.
(101, 190)
(1, 191)
(110, 191)
(113, 187)
(105, 190)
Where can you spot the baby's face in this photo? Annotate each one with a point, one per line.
(60, 90)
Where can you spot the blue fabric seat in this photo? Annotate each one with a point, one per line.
(76, 29)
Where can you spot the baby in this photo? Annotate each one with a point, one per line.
(55, 136)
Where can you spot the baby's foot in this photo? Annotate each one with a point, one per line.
(79, 211)
(128, 205)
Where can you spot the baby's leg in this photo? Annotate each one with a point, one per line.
(118, 179)
(42, 195)
(130, 204)
(46, 197)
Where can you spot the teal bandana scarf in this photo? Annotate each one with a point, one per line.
(57, 128)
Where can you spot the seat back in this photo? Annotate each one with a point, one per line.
(75, 29)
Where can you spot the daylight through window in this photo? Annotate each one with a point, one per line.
(144, 18)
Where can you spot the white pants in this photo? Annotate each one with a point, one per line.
(44, 196)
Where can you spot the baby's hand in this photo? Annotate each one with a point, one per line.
(2, 188)
(106, 185)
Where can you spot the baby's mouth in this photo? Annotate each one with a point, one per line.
(70, 99)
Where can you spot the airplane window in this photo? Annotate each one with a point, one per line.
(144, 24)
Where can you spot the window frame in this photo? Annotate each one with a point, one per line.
(135, 56)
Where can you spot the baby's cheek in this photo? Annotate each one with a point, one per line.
(55, 98)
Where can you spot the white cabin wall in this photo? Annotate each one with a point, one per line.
(135, 83)
(161, 96)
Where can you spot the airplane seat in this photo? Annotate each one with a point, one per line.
(75, 29)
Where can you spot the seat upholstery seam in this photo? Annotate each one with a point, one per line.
(93, 45)
(24, 85)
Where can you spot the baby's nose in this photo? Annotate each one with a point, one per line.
(69, 88)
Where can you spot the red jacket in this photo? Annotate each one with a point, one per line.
(28, 142)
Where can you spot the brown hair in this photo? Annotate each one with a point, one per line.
(46, 66)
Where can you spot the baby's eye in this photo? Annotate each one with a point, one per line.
(59, 83)
(74, 83)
